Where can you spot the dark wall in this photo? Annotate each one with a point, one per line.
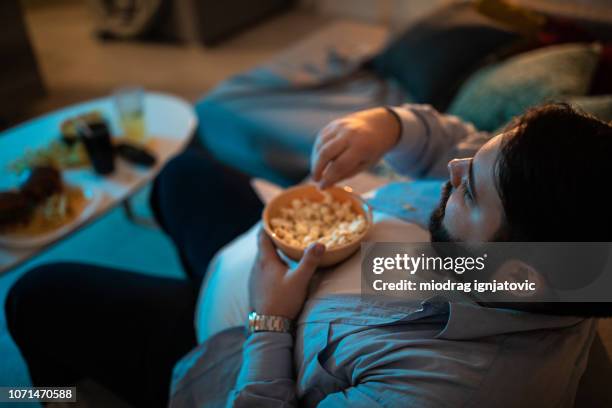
(217, 20)
(20, 80)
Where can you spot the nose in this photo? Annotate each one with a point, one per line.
(458, 169)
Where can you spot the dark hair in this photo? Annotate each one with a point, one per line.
(552, 177)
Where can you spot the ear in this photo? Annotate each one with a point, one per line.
(515, 270)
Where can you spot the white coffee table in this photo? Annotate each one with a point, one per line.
(170, 123)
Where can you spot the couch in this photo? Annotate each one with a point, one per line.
(264, 121)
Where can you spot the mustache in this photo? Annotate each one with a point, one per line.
(447, 190)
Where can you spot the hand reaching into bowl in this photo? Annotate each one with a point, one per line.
(351, 144)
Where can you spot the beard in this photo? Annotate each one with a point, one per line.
(436, 228)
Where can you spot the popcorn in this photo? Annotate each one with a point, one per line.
(330, 222)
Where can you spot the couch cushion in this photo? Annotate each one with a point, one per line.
(599, 106)
(496, 93)
(433, 55)
(270, 133)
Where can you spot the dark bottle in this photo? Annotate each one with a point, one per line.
(97, 139)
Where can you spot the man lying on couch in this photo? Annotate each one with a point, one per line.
(538, 181)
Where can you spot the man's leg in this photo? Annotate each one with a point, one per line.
(202, 205)
(124, 330)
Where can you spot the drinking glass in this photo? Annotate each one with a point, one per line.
(129, 102)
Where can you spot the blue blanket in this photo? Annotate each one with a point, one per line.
(409, 201)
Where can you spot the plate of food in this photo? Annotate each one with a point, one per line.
(43, 209)
(85, 142)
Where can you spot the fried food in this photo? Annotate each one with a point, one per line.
(15, 209)
(43, 182)
(18, 208)
(57, 210)
(70, 134)
(57, 153)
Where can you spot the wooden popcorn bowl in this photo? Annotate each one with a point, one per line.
(309, 191)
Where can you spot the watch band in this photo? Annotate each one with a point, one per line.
(258, 323)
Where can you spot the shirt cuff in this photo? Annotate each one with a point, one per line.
(267, 356)
(413, 134)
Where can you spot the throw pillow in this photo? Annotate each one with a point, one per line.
(599, 106)
(431, 57)
(498, 92)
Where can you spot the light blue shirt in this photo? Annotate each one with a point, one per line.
(357, 352)
(351, 351)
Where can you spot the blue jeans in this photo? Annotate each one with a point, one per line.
(126, 330)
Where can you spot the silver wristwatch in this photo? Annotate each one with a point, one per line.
(257, 323)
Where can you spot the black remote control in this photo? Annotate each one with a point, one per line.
(135, 154)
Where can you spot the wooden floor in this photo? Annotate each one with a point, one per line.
(76, 65)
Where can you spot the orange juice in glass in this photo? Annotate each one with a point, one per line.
(129, 102)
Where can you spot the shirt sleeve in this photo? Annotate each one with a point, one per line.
(266, 377)
(429, 139)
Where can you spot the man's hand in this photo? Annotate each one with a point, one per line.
(275, 289)
(352, 144)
